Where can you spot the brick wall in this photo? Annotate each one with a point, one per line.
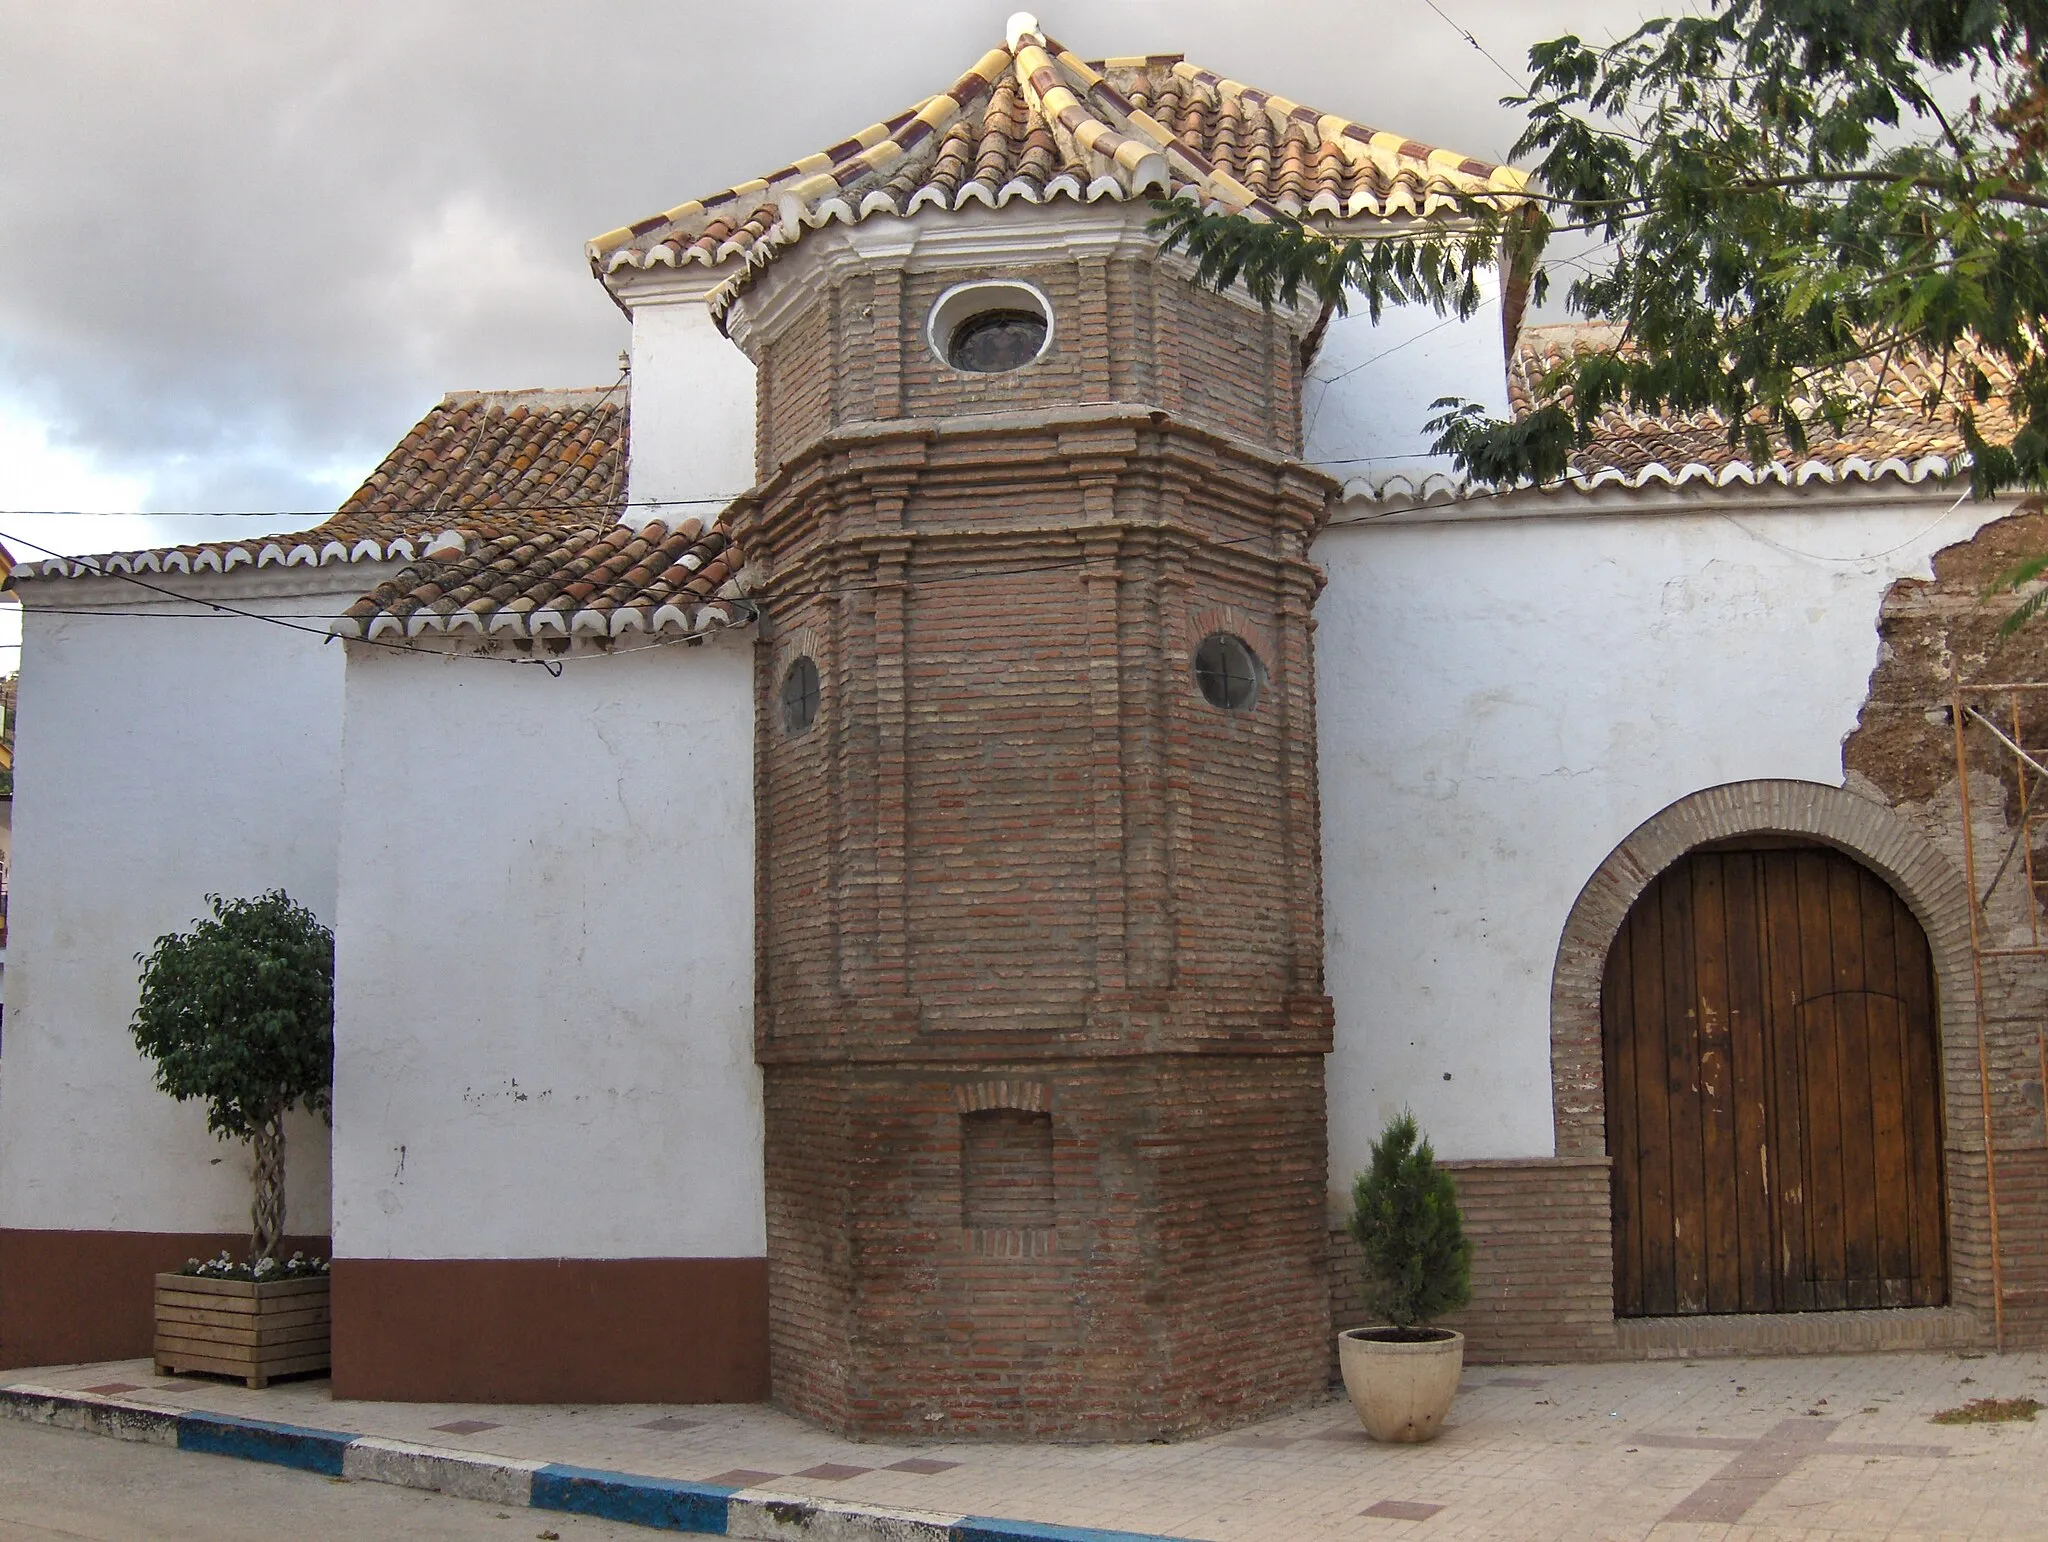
(1542, 1262)
(1123, 332)
(1006, 1181)
(1040, 1001)
(1169, 1294)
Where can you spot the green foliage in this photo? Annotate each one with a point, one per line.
(1405, 1218)
(1782, 187)
(239, 1011)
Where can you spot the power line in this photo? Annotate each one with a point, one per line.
(293, 620)
(213, 609)
(719, 499)
(205, 609)
(1466, 33)
(552, 666)
(453, 517)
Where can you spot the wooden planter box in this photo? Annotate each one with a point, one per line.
(240, 1328)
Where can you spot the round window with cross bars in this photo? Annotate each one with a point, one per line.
(1228, 672)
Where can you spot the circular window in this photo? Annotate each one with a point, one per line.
(995, 341)
(989, 328)
(800, 696)
(1228, 672)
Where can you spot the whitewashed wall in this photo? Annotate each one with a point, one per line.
(158, 757)
(1503, 699)
(693, 401)
(1368, 393)
(544, 1000)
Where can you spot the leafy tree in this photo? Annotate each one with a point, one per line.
(239, 1011)
(1783, 187)
(1405, 1218)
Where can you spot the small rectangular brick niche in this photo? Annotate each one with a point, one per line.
(1006, 1170)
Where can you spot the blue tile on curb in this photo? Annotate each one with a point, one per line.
(623, 1496)
(257, 1440)
(983, 1528)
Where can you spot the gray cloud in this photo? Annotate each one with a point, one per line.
(243, 245)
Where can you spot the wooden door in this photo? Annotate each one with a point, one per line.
(1773, 1091)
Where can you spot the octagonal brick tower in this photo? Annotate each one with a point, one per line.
(1040, 1007)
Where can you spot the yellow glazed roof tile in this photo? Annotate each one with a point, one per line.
(1032, 121)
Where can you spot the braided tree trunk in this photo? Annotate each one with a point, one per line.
(267, 1215)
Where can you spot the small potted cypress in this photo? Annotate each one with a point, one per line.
(239, 1012)
(1418, 1265)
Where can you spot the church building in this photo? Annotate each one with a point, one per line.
(896, 859)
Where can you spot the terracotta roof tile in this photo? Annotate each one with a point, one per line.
(1032, 121)
(1898, 436)
(479, 466)
(597, 580)
(506, 508)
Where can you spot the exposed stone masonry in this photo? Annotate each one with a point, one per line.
(1903, 751)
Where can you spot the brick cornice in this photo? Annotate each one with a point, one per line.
(1205, 493)
(1115, 428)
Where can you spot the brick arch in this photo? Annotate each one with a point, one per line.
(1871, 833)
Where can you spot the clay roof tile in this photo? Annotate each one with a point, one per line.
(1029, 111)
(1895, 426)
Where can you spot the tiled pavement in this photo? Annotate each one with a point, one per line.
(1808, 1448)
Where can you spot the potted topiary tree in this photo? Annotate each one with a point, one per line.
(239, 1012)
(1418, 1266)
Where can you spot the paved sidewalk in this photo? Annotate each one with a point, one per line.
(1809, 1448)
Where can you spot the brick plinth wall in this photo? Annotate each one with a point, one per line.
(1542, 1262)
(1039, 991)
(1168, 1293)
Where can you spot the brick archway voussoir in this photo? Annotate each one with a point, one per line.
(1929, 884)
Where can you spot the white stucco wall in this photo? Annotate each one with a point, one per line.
(544, 998)
(159, 757)
(693, 401)
(1368, 393)
(1503, 699)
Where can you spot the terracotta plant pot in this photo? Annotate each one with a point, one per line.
(240, 1328)
(1401, 1391)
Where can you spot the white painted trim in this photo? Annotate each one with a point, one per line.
(1465, 504)
(282, 581)
(934, 240)
(635, 287)
(961, 303)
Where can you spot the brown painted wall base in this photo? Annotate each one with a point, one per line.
(67, 1296)
(551, 1330)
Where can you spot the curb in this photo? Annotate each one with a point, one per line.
(667, 1504)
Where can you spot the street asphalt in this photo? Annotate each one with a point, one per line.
(57, 1483)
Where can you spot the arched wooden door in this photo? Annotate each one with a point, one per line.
(1773, 1090)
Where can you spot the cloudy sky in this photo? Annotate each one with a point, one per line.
(244, 244)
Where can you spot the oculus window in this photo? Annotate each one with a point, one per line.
(996, 341)
(1228, 672)
(990, 327)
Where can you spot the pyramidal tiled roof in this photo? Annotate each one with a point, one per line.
(1032, 122)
